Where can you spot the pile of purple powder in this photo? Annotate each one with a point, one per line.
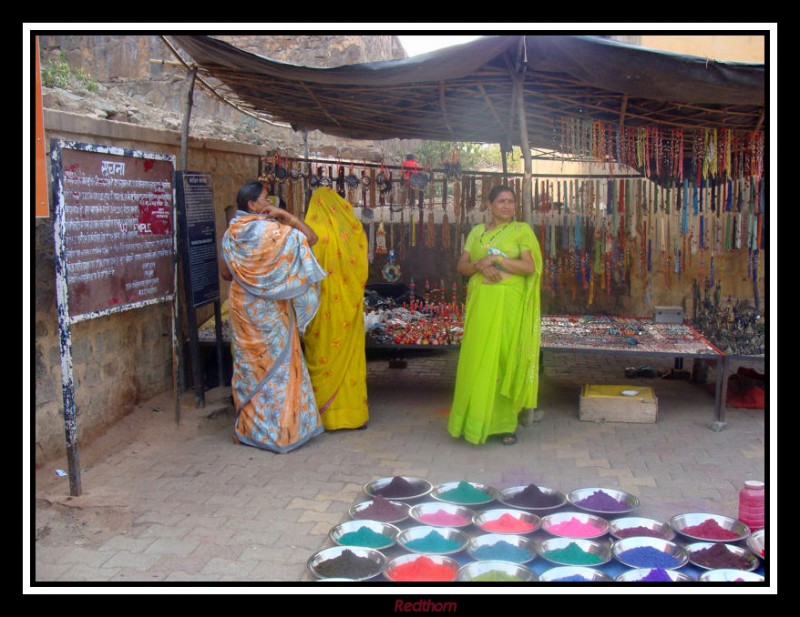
(600, 500)
(657, 575)
(532, 497)
(381, 509)
(398, 487)
(630, 532)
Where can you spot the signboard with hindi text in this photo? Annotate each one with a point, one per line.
(114, 227)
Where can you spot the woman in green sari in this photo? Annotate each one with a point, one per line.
(498, 364)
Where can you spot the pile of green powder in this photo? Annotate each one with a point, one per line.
(496, 575)
(465, 493)
(364, 536)
(573, 555)
(433, 542)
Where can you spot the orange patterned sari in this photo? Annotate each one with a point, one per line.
(273, 297)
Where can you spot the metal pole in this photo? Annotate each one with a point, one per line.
(64, 330)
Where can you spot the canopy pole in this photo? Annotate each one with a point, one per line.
(178, 360)
(504, 155)
(518, 97)
(185, 123)
(526, 150)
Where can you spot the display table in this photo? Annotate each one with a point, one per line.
(635, 336)
(617, 336)
(580, 334)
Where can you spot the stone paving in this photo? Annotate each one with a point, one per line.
(199, 508)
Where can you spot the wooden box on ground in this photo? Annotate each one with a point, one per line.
(603, 403)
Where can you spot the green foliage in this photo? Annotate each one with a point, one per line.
(472, 156)
(56, 73)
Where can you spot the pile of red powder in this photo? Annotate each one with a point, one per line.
(711, 530)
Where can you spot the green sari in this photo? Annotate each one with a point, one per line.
(498, 364)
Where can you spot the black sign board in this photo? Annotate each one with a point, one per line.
(198, 247)
(195, 199)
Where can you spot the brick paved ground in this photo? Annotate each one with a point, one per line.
(196, 507)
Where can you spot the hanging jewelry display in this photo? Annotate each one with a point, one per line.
(380, 238)
(340, 181)
(430, 229)
(391, 271)
(373, 187)
(401, 249)
(371, 240)
(445, 218)
(445, 231)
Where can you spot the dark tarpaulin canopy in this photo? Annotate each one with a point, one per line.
(466, 92)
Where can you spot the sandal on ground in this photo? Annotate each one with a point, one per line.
(509, 439)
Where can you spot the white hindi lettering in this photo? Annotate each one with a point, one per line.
(112, 168)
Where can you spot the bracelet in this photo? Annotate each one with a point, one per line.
(498, 260)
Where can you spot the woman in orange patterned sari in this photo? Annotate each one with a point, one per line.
(273, 296)
(334, 342)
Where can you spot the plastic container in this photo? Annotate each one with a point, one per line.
(751, 504)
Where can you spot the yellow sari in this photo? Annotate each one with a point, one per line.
(334, 341)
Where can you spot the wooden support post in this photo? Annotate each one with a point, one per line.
(177, 337)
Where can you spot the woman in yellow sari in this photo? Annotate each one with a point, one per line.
(334, 341)
(498, 363)
(274, 294)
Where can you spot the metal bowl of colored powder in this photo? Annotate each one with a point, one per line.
(495, 571)
(717, 555)
(642, 552)
(431, 540)
(532, 497)
(575, 525)
(574, 574)
(507, 520)
(706, 527)
(603, 501)
(380, 509)
(422, 568)
(756, 542)
(351, 562)
(464, 493)
(398, 488)
(368, 534)
(630, 526)
(729, 575)
(575, 551)
(653, 575)
(441, 514)
(502, 547)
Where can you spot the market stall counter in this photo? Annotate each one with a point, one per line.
(439, 326)
(419, 325)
